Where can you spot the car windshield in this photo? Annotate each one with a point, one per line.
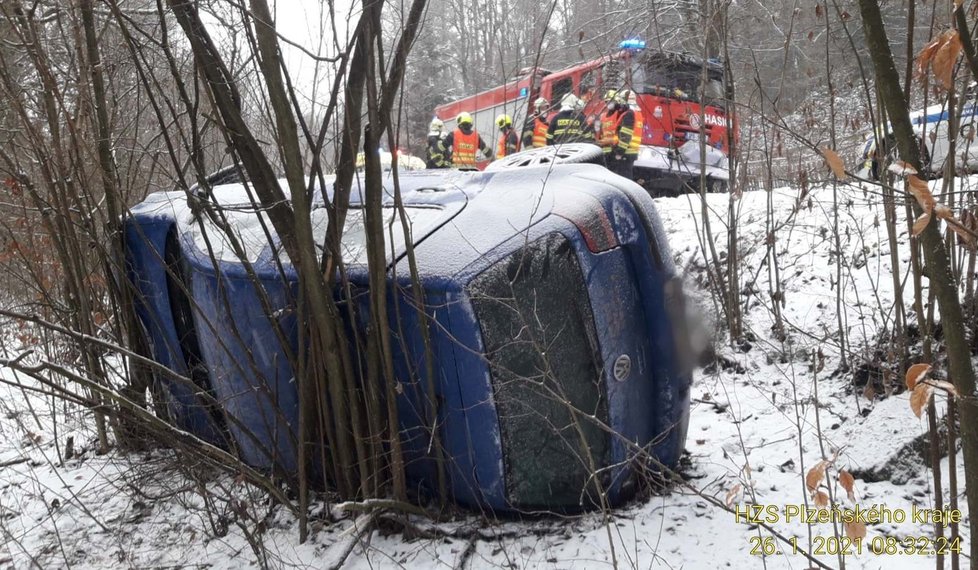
(658, 75)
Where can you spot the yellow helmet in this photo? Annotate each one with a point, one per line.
(503, 121)
(463, 118)
(610, 94)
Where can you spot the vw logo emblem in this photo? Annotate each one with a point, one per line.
(623, 367)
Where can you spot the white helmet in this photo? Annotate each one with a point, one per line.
(541, 104)
(629, 96)
(570, 102)
(436, 125)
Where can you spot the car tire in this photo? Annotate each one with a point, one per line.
(568, 153)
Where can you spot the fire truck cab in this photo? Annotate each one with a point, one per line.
(686, 127)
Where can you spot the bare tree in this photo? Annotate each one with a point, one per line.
(934, 249)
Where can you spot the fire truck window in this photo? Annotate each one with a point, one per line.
(561, 88)
(662, 78)
(677, 78)
(713, 90)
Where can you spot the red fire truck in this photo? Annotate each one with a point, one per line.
(680, 109)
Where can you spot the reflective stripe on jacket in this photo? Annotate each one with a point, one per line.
(540, 127)
(636, 141)
(630, 132)
(567, 127)
(436, 157)
(464, 147)
(535, 132)
(610, 121)
(508, 143)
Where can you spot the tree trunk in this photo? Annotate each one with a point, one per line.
(935, 252)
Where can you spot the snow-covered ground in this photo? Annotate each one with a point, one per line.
(771, 410)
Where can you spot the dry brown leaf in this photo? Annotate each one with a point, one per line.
(945, 58)
(815, 475)
(848, 483)
(855, 529)
(964, 236)
(921, 191)
(958, 4)
(916, 373)
(943, 212)
(966, 229)
(835, 162)
(901, 168)
(946, 386)
(920, 224)
(732, 495)
(821, 500)
(927, 54)
(919, 397)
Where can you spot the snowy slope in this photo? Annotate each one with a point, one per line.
(774, 407)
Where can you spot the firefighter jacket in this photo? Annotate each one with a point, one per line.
(507, 144)
(460, 148)
(435, 156)
(535, 132)
(568, 127)
(627, 134)
(632, 134)
(610, 123)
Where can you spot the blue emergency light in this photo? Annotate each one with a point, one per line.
(632, 43)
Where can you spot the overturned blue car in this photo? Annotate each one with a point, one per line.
(555, 318)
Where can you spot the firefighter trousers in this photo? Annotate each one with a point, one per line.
(621, 166)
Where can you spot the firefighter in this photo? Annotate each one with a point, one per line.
(635, 137)
(435, 157)
(607, 125)
(627, 134)
(535, 126)
(568, 126)
(508, 143)
(461, 146)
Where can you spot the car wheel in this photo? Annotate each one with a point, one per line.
(567, 153)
